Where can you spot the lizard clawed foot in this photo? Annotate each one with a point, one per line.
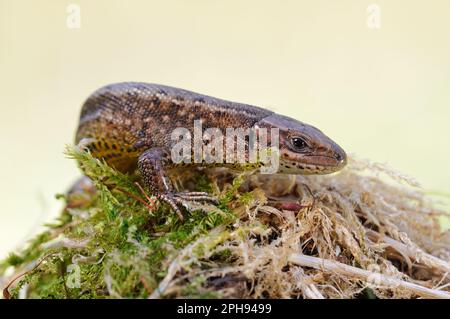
(177, 200)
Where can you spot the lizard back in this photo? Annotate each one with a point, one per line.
(121, 120)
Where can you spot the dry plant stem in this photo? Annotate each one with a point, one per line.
(358, 273)
(143, 202)
(311, 291)
(415, 253)
(32, 266)
(150, 201)
(173, 269)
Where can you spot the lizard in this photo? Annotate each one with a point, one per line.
(129, 126)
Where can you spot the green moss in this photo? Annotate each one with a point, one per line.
(195, 289)
(231, 192)
(115, 245)
(13, 260)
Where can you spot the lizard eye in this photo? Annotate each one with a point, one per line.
(299, 143)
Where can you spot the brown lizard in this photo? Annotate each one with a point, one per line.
(129, 125)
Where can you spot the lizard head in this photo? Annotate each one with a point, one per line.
(303, 148)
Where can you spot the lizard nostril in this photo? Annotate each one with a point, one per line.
(340, 157)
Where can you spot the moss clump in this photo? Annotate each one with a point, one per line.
(262, 240)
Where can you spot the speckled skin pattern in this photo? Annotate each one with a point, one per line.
(129, 125)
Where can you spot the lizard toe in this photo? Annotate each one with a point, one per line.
(197, 197)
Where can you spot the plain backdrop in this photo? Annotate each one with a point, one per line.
(381, 93)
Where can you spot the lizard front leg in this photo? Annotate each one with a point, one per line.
(152, 165)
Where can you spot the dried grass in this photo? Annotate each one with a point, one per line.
(366, 228)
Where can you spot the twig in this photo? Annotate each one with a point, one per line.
(310, 290)
(171, 272)
(365, 275)
(143, 202)
(306, 283)
(414, 253)
(6, 293)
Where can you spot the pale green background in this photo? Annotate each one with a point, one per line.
(382, 94)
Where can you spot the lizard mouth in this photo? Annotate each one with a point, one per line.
(314, 164)
(339, 160)
(307, 169)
